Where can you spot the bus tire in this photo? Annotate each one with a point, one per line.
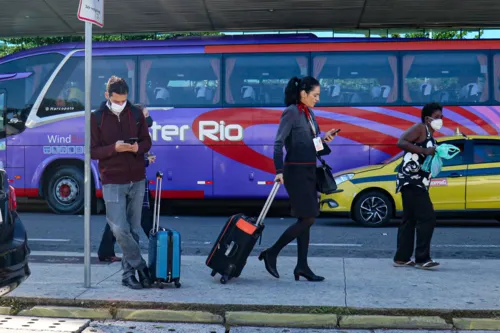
(64, 191)
(373, 209)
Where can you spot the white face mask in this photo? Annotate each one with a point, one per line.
(436, 124)
(116, 107)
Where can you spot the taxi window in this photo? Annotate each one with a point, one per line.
(459, 158)
(486, 153)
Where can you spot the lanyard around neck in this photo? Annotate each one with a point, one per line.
(309, 119)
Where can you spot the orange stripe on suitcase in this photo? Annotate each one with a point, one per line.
(246, 227)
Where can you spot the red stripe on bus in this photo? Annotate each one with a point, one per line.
(388, 120)
(413, 111)
(180, 194)
(166, 194)
(475, 119)
(27, 192)
(383, 142)
(357, 46)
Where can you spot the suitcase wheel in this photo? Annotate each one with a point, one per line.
(224, 279)
(177, 284)
(213, 273)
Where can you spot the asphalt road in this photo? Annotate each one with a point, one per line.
(59, 238)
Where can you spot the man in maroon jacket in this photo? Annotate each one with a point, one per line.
(120, 139)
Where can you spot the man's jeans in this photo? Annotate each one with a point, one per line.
(107, 246)
(123, 214)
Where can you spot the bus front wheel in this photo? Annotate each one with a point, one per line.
(64, 192)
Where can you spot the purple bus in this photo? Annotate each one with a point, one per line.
(216, 103)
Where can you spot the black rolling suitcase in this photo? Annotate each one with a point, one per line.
(236, 241)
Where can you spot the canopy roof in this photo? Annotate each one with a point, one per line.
(58, 17)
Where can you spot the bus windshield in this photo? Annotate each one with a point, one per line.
(24, 78)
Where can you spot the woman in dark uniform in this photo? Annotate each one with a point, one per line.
(299, 133)
(418, 212)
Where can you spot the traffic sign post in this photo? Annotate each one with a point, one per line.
(91, 12)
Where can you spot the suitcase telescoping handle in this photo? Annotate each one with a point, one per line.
(156, 214)
(268, 203)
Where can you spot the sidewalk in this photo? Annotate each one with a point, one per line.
(365, 286)
(358, 283)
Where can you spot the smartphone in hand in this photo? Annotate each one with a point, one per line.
(131, 141)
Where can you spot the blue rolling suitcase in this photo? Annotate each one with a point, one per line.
(164, 247)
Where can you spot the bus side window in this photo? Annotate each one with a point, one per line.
(260, 79)
(67, 92)
(445, 77)
(180, 80)
(496, 76)
(357, 78)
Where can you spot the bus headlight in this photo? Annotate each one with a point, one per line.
(343, 178)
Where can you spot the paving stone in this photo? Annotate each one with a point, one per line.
(36, 324)
(142, 327)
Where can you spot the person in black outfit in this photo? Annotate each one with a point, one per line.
(418, 212)
(106, 252)
(298, 131)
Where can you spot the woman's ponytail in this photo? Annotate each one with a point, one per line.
(296, 85)
(292, 91)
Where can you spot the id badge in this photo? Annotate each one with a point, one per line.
(318, 144)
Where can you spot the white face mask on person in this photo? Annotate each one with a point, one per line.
(436, 124)
(116, 107)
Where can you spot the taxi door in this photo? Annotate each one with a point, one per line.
(483, 176)
(447, 190)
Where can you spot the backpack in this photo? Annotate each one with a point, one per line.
(99, 113)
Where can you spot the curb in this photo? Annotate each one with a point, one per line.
(169, 316)
(288, 320)
(281, 316)
(486, 324)
(401, 322)
(66, 312)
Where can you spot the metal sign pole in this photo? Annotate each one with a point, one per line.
(87, 180)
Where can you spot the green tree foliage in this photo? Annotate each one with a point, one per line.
(12, 45)
(452, 34)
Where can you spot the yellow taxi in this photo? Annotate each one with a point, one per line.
(469, 184)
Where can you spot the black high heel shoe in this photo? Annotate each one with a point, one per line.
(270, 263)
(307, 274)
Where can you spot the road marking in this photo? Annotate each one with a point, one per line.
(489, 246)
(60, 254)
(331, 245)
(47, 240)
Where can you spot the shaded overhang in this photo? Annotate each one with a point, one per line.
(58, 17)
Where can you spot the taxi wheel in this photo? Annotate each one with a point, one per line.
(373, 209)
